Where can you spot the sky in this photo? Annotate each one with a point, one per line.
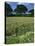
(28, 5)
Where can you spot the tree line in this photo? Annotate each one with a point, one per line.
(18, 10)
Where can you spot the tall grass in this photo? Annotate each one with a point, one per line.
(19, 31)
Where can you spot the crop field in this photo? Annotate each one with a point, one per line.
(19, 30)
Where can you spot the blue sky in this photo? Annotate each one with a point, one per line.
(28, 5)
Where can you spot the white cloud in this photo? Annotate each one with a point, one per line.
(20, 3)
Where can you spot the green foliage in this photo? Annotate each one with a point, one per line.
(20, 9)
(8, 9)
(32, 12)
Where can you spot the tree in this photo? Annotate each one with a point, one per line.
(21, 9)
(32, 12)
(8, 9)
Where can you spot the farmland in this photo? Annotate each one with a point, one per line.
(19, 30)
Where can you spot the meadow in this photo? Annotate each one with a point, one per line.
(19, 30)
